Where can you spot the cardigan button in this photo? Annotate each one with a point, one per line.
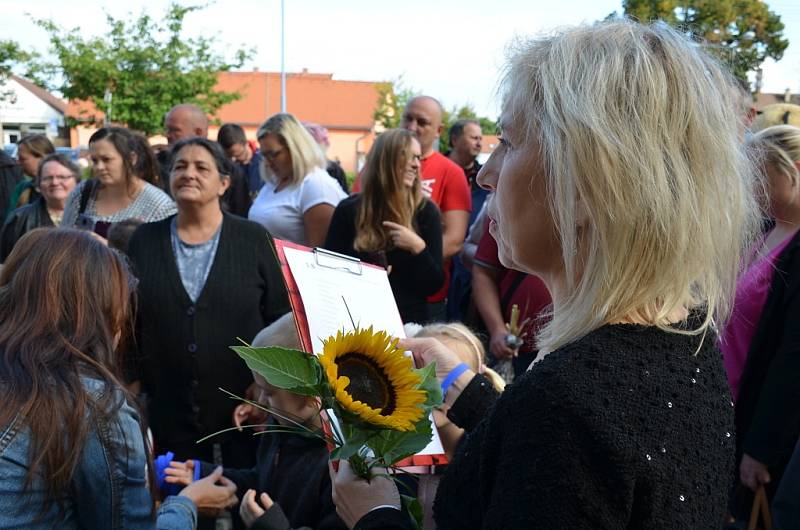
(190, 311)
(192, 348)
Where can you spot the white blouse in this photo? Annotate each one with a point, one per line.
(281, 212)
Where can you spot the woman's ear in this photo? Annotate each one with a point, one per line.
(581, 214)
(134, 158)
(226, 183)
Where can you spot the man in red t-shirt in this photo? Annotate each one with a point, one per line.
(444, 182)
(495, 289)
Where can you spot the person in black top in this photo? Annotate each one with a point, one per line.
(205, 278)
(56, 178)
(634, 206)
(289, 487)
(10, 176)
(391, 224)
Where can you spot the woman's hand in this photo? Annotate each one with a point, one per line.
(180, 473)
(210, 497)
(354, 497)
(250, 510)
(753, 473)
(404, 238)
(427, 350)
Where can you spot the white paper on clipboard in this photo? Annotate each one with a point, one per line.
(326, 280)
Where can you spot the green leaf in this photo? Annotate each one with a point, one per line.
(413, 508)
(393, 446)
(284, 368)
(430, 385)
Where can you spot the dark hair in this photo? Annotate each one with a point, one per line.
(224, 166)
(38, 145)
(457, 129)
(55, 333)
(62, 159)
(231, 134)
(119, 234)
(137, 156)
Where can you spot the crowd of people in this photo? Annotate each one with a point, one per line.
(626, 260)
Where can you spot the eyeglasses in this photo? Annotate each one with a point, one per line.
(59, 178)
(272, 155)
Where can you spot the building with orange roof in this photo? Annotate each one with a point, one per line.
(345, 108)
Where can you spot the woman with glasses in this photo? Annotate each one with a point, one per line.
(56, 177)
(297, 200)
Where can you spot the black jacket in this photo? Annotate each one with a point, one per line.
(183, 347)
(293, 470)
(10, 176)
(768, 406)
(21, 221)
(628, 427)
(412, 278)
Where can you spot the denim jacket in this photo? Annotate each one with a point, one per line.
(109, 487)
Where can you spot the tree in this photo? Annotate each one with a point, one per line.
(392, 99)
(742, 33)
(11, 56)
(145, 65)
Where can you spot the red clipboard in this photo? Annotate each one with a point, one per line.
(423, 464)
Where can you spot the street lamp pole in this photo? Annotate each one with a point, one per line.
(283, 59)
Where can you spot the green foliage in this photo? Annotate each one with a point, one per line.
(146, 64)
(288, 369)
(392, 99)
(464, 112)
(742, 33)
(13, 56)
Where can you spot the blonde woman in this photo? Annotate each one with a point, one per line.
(623, 184)
(391, 223)
(297, 200)
(761, 344)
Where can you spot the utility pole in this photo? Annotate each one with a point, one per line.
(283, 58)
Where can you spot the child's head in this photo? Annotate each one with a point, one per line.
(466, 345)
(283, 333)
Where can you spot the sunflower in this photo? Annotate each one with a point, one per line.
(372, 378)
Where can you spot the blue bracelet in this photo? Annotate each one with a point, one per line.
(451, 378)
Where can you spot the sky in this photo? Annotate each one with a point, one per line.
(451, 49)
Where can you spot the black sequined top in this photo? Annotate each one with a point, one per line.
(624, 429)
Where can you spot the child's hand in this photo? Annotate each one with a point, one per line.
(249, 509)
(249, 414)
(180, 473)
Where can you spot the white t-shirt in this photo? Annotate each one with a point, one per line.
(281, 213)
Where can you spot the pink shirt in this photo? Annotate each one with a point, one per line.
(751, 295)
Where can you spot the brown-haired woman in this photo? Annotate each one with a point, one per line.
(392, 224)
(72, 451)
(31, 150)
(123, 171)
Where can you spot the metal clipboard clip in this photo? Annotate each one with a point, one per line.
(334, 260)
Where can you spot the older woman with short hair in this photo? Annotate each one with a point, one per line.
(56, 177)
(205, 278)
(299, 197)
(623, 184)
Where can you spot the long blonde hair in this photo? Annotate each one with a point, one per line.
(385, 197)
(638, 132)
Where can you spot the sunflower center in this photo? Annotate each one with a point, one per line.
(368, 382)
